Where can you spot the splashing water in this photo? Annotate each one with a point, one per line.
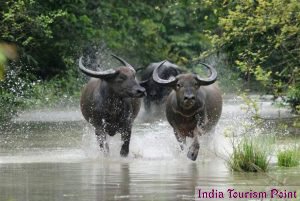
(45, 135)
(56, 152)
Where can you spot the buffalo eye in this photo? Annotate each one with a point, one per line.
(121, 78)
(178, 86)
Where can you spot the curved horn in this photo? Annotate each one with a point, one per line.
(160, 81)
(143, 81)
(123, 62)
(211, 79)
(97, 74)
(139, 69)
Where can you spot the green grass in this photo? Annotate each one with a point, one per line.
(288, 158)
(248, 156)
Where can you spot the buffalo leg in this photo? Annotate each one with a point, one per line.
(194, 149)
(101, 138)
(181, 139)
(147, 104)
(125, 137)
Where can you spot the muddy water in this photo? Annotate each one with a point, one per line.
(53, 155)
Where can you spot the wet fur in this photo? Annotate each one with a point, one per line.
(197, 120)
(110, 106)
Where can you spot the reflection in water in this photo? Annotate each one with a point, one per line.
(128, 180)
(60, 160)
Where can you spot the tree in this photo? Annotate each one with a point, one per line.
(47, 33)
(262, 38)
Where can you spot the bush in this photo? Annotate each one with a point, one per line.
(19, 91)
(59, 89)
(259, 39)
(293, 96)
(14, 89)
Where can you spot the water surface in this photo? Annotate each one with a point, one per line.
(53, 155)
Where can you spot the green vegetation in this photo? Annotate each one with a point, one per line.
(246, 40)
(21, 93)
(288, 157)
(262, 40)
(248, 156)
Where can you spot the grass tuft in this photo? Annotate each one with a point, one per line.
(288, 158)
(248, 157)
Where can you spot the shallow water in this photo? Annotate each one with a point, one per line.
(53, 155)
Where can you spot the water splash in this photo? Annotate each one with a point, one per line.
(64, 136)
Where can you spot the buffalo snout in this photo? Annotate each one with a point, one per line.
(189, 100)
(138, 92)
(189, 97)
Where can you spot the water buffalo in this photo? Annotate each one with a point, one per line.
(156, 94)
(193, 107)
(111, 102)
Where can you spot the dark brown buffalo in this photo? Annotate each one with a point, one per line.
(193, 107)
(156, 94)
(110, 102)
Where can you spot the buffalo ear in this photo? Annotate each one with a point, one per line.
(172, 85)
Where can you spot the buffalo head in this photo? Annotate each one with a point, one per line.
(155, 92)
(121, 80)
(186, 86)
(157, 95)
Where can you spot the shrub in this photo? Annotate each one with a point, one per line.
(20, 92)
(293, 96)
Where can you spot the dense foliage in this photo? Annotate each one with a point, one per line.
(52, 34)
(262, 38)
(259, 38)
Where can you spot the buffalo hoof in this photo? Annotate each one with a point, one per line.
(193, 156)
(193, 152)
(124, 152)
